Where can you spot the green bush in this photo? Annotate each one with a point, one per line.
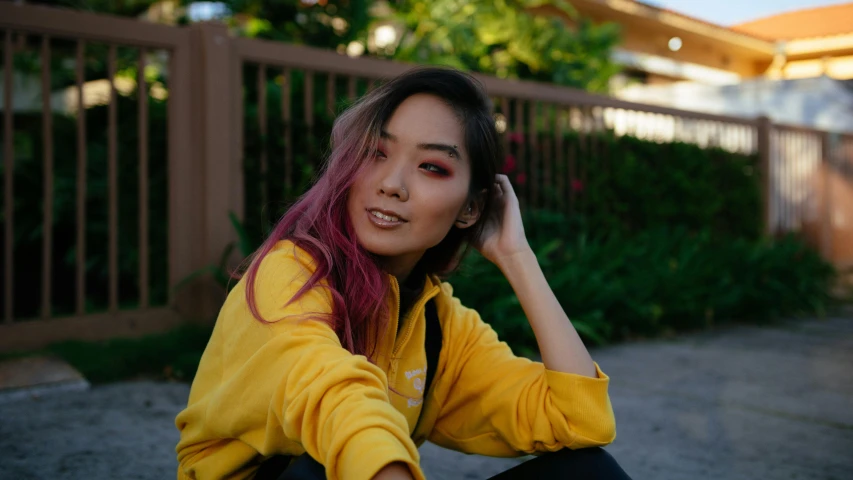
(173, 355)
(656, 282)
(628, 185)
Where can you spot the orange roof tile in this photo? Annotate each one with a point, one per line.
(807, 23)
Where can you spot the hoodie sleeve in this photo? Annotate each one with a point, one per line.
(494, 403)
(289, 386)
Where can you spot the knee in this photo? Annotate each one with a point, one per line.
(592, 463)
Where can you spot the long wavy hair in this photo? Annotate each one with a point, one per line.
(318, 221)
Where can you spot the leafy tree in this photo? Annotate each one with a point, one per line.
(525, 39)
(319, 23)
(510, 39)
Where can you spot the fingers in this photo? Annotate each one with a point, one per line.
(503, 185)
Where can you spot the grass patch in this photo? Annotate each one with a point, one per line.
(172, 355)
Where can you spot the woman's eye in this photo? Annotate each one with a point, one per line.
(379, 154)
(432, 168)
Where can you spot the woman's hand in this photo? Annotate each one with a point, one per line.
(394, 471)
(503, 233)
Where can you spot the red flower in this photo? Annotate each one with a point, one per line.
(516, 137)
(509, 165)
(521, 178)
(577, 185)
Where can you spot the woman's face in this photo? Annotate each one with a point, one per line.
(406, 199)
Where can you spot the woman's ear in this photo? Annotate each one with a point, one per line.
(471, 211)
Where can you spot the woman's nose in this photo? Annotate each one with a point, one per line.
(392, 183)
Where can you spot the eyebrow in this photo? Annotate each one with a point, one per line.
(438, 147)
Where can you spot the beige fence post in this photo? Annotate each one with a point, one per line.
(185, 202)
(763, 130)
(213, 137)
(826, 230)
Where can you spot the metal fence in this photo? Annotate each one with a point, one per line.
(214, 140)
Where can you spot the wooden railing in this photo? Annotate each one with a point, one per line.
(215, 138)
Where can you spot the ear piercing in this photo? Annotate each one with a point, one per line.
(470, 211)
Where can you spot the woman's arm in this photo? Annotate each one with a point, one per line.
(394, 471)
(494, 403)
(505, 244)
(559, 344)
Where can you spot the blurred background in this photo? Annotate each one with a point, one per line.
(685, 168)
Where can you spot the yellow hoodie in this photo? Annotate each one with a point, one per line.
(290, 387)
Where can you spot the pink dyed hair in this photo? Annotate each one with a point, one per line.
(319, 223)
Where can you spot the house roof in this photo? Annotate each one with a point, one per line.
(807, 23)
(616, 10)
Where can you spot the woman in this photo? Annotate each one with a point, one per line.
(318, 351)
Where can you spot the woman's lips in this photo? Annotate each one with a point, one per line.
(384, 218)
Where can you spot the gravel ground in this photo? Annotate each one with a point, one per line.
(739, 403)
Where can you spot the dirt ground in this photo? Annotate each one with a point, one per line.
(740, 403)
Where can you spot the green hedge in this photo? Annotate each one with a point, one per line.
(627, 185)
(656, 282)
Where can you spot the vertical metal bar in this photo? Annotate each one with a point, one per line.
(790, 152)
(308, 105)
(80, 261)
(571, 166)
(47, 141)
(777, 178)
(507, 129)
(309, 99)
(142, 134)
(288, 131)
(8, 183)
(825, 215)
(535, 175)
(800, 155)
(605, 158)
(330, 94)
(559, 158)
(262, 127)
(546, 155)
(786, 157)
(736, 134)
(677, 128)
(779, 150)
(236, 167)
(588, 145)
(351, 88)
(521, 161)
(814, 169)
(809, 155)
(112, 146)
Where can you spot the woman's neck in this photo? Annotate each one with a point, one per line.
(401, 267)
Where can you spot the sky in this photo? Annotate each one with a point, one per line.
(732, 12)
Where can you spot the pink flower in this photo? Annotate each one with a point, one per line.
(509, 165)
(577, 185)
(516, 137)
(521, 178)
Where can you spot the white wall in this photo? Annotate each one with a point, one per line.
(819, 102)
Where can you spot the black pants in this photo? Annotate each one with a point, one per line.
(583, 464)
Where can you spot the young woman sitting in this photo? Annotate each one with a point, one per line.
(317, 366)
